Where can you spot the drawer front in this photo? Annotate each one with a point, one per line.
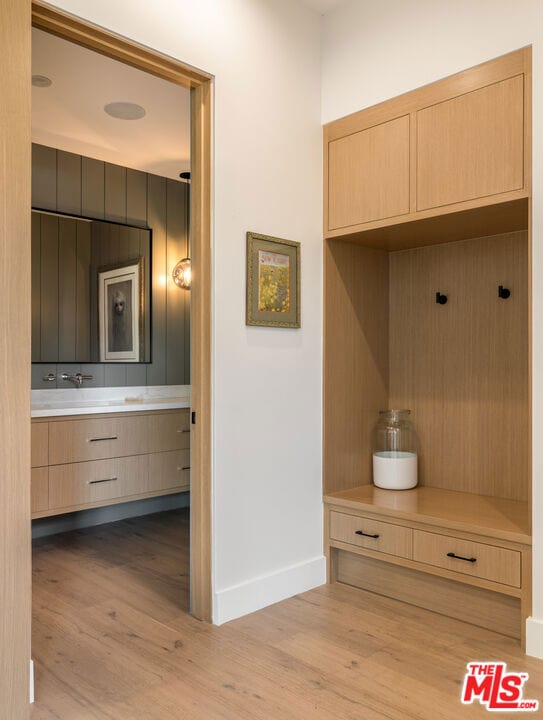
(488, 562)
(95, 439)
(371, 534)
(39, 492)
(89, 482)
(169, 470)
(170, 431)
(40, 444)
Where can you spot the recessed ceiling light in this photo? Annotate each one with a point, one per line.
(125, 110)
(41, 81)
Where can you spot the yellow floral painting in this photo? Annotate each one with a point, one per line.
(273, 282)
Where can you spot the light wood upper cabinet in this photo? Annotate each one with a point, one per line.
(369, 174)
(471, 146)
(396, 172)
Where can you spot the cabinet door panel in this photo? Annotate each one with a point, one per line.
(471, 146)
(39, 489)
(369, 174)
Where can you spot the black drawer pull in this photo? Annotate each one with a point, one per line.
(459, 557)
(187, 467)
(111, 437)
(181, 431)
(361, 532)
(95, 482)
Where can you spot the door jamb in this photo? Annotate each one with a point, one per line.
(81, 32)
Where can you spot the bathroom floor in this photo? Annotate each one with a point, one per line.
(112, 639)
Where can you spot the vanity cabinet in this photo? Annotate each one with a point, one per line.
(453, 146)
(89, 462)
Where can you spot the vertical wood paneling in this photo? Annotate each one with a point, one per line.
(92, 188)
(156, 217)
(67, 275)
(36, 286)
(115, 193)
(69, 182)
(176, 245)
(44, 177)
(49, 288)
(83, 261)
(136, 197)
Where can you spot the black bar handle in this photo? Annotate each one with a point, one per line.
(361, 532)
(459, 557)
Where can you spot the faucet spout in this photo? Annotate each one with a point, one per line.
(77, 379)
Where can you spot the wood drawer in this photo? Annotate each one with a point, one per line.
(96, 481)
(390, 539)
(491, 562)
(169, 470)
(39, 489)
(169, 431)
(94, 439)
(39, 444)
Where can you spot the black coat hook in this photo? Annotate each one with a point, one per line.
(503, 292)
(440, 299)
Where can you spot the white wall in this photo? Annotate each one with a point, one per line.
(265, 55)
(375, 50)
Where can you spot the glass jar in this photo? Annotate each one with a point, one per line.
(394, 451)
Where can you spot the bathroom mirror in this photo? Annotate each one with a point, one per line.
(91, 293)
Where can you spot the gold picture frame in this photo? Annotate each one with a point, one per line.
(273, 282)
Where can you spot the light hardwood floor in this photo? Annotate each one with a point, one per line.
(112, 640)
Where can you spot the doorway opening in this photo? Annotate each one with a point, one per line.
(199, 206)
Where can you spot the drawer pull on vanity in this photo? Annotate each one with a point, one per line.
(459, 557)
(361, 532)
(182, 431)
(96, 482)
(187, 467)
(111, 437)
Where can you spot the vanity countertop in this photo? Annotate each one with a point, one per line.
(88, 401)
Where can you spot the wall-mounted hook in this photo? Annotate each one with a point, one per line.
(440, 299)
(503, 292)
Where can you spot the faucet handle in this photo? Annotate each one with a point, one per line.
(49, 378)
(84, 377)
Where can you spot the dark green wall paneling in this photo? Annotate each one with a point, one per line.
(77, 185)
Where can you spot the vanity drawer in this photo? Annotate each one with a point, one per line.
(96, 481)
(478, 559)
(39, 444)
(94, 439)
(371, 534)
(169, 470)
(39, 489)
(169, 431)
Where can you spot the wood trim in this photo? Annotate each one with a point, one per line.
(114, 46)
(201, 308)
(106, 43)
(15, 264)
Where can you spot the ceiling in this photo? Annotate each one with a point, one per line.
(69, 114)
(322, 6)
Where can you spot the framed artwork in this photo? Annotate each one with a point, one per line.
(273, 282)
(120, 311)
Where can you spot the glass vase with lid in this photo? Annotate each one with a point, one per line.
(395, 446)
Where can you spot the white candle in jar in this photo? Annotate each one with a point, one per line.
(395, 470)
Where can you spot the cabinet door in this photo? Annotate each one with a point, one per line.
(368, 174)
(471, 146)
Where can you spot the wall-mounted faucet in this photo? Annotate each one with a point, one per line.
(77, 379)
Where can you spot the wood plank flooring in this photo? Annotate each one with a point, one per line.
(112, 640)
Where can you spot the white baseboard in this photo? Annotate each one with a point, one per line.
(31, 686)
(266, 590)
(534, 637)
